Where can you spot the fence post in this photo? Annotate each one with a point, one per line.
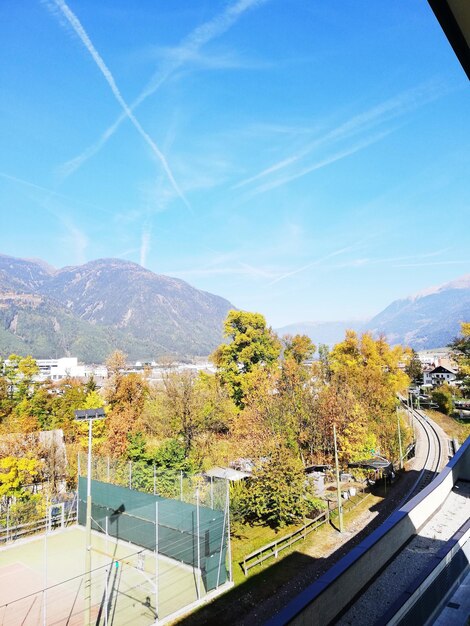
(8, 520)
(229, 541)
(130, 474)
(107, 471)
(181, 484)
(198, 547)
(156, 560)
(154, 480)
(44, 593)
(106, 597)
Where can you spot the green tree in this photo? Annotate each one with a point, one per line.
(5, 401)
(19, 372)
(71, 396)
(322, 367)
(251, 345)
(461, 352)
(276, 494)
(414, 369)
(442, 396)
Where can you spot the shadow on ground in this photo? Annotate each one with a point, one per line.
(264, 593)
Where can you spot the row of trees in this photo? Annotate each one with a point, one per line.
(268, 401)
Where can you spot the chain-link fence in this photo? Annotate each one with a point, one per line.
(192, 534)
(156, 480)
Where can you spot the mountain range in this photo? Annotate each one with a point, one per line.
(429, 319)
(90, 310)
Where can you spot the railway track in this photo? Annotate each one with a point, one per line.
(430, 444)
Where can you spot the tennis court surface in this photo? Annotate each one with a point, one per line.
(42, 581)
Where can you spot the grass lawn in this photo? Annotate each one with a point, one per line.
(453, 427)
(248, 539)
(317, 543)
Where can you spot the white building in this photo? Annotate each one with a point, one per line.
(440, 375)
(68, 367)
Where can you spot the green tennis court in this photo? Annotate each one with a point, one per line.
(42, 581)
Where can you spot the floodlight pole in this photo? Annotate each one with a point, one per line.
(89, 415)
(229, 546)
(338, 488)
(88, 530)
(157, 569)
(44, 594)
(399, 439)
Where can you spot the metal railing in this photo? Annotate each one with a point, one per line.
(11, 533)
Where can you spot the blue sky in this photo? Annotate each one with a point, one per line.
(307, 160)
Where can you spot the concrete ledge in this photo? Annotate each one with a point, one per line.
(414, 592)
(322, 601)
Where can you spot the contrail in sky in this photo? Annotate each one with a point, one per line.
(386, 111)
(322, 163)
(127, 112)
(198, 38)
(311, 264)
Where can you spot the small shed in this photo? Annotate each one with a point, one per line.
(227, 473)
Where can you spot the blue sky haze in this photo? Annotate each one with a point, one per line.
(307, 160)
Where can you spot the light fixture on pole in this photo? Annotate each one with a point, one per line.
(88, 415)
(338, 488)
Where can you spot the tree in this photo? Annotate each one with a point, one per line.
(183, 407)
(461, 352)
(71, 396)
(276, 493)
(299, 348)
(19, 372)
(92, 400)
(5, 402)
(322, 366)
(218, 409)
(442, 396)
(252, 345)
(414, 369)
(370, 370)
(15, 475)
(126, 398)
(116, 363)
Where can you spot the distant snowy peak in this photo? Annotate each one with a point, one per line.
(428, 319)
(459, 283)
